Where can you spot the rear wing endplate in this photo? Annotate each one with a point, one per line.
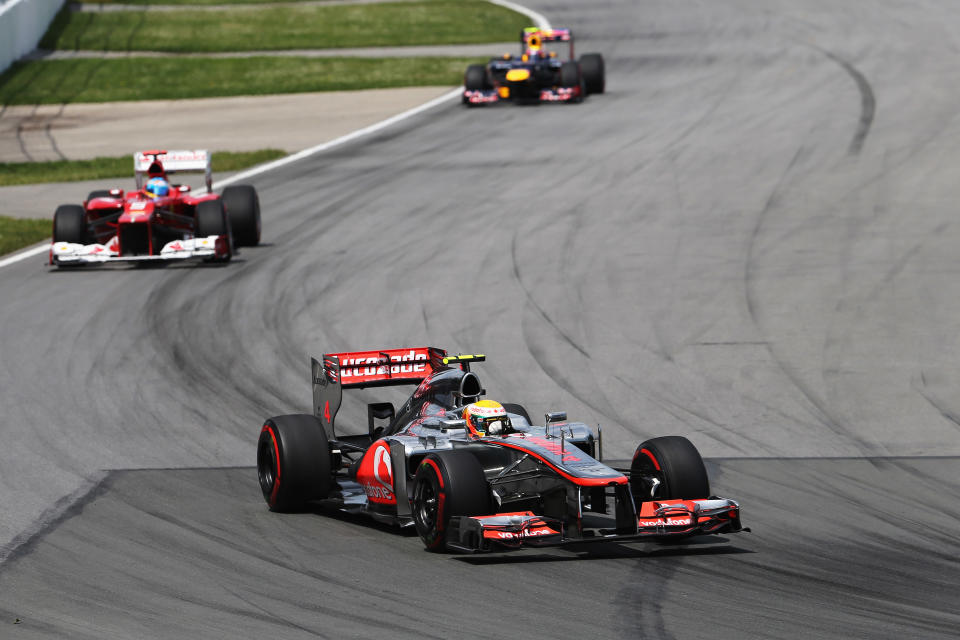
(360, 369)
(159, 162)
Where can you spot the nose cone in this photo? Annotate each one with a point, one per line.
(136, 211)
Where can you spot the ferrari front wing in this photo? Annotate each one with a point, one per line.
(73, 253)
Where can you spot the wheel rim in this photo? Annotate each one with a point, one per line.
(266, 466)
(646, 480)
(425, 499)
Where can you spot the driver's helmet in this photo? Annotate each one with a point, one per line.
(534, 47)
(157, 188)
(486, 417)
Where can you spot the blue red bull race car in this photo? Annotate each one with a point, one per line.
(158, 221)
(541, 73)
(498, 484)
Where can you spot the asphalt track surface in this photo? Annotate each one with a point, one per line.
(749, 240)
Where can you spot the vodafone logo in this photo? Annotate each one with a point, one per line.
(660, 522)
(383, 468)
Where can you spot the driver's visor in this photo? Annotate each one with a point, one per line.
(493, 425)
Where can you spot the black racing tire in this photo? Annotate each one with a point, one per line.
(518, 409)
(243, 209)
(293, 462)
(676, 463)
(70, 224)
(99, 193)
(211, 220)
(594, 76)
(447, 484)
(475, 79)
(570, 75)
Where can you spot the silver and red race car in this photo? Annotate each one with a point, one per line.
(543, 72)
(520, 485)
(158, 221)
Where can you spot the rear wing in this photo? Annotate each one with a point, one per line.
(360, 369)
(158, 162)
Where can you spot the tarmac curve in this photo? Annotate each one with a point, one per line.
(749, 240)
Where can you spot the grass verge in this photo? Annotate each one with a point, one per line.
(287, 27)
(14, 173)
(16, 233)
(97, 80)
(193, 2)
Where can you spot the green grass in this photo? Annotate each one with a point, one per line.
(16, 233)
(12, 173)
(279, 28)
(194, 2)
(97, 80)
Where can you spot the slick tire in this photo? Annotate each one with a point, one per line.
(293, 462)
(211, 220)
(243, 209)
(592, 68)
(675, 463)
(447, 484)
(570, 74)
(475, 79)
(70, 224)
(99, 193)
(518, 409)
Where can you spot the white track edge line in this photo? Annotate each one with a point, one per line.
(539, 19)
(23, 255)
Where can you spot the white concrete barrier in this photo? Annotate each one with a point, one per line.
(22, 24)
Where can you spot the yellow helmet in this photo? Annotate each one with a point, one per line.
(486, 417)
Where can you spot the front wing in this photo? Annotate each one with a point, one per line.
(490, 96)
(657, 520)
(73, 253)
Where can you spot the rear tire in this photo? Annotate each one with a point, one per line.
(70, 224)
(293, 462)
(99, 193)
(594, 75)
(447, 484)
(243, 209)
(475, 79)
(675, 463)
(518, 409)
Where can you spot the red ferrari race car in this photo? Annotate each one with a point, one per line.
(159, 221)
(471, 474)
(538, 74)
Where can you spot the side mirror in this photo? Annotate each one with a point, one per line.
(378, 411)
(553, 416)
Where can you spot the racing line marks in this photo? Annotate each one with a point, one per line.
(868, 102)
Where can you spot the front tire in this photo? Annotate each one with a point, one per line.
(669, 467)
(447, 484)
(70, 224)
(475, 79)
(211, 220)
(594, 76)
(293, 462)
(243, 209)
(570, 74)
